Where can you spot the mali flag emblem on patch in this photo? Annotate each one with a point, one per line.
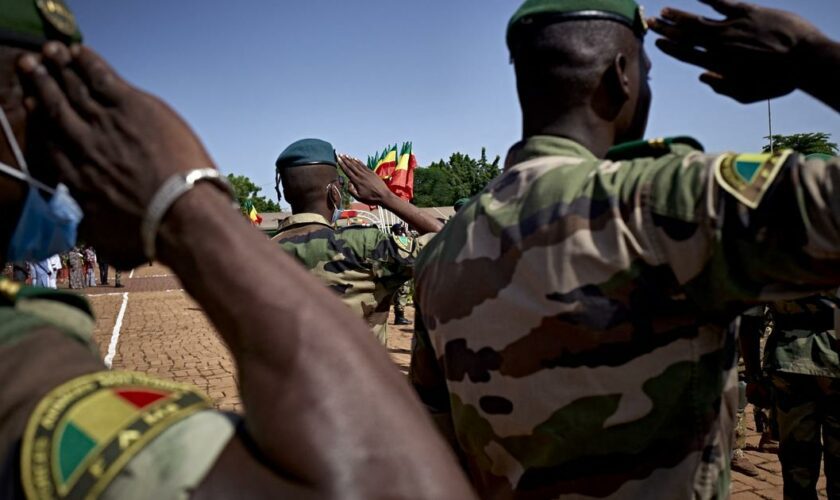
(83, 433)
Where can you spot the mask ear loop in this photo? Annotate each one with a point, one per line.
(22, 174)
(340, 197)
(10, 138)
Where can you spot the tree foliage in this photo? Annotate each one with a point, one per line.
(807, 143)
(247, 190)
(443, 183)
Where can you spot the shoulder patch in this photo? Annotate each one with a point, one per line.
(747, 177)
(404, 243)
(84, 432)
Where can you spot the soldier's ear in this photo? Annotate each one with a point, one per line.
(619, 79)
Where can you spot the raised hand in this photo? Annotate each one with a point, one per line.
(113, 144)
(754, 53)
(365, 185)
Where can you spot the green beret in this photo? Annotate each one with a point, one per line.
(307, 152)
(653, 148)
(31, 23)
(544, 12)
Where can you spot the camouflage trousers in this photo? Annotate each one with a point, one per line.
(808, 413)
(401, 298)
(740, 441)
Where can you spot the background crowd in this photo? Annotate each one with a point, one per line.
(76, 270)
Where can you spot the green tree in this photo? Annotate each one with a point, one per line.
(443, 183)
(807, 143)
(247, 190)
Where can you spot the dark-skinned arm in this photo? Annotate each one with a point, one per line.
(324, 406)
(754, 53)
(368, 188)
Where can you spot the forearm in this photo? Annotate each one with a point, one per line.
(322, 398)
(413, 216)
(821, 70)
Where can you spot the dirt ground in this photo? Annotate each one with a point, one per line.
(152, 326)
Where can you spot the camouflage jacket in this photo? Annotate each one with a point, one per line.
(363, 265)
(803, 339)
(572, 317)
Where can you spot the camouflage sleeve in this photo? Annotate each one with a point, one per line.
(740, 229)
(428, 380)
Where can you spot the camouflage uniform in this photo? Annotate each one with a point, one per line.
(401, 300)
(571, 319)
(103, 429)
(802, 361)
(363, 265)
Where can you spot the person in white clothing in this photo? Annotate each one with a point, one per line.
(55, 266)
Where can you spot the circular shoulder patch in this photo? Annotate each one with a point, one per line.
(58, 15)
(84, 432)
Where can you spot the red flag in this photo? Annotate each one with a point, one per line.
(402, 181)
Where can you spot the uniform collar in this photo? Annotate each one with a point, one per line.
(546, 145)
(304, 219)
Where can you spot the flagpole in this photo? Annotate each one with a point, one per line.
(770, 126)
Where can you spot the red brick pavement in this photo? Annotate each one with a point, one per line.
(166, 334)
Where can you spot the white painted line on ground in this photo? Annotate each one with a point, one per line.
(131, 274)
(155, 276)
(115, 334)
(103, 294)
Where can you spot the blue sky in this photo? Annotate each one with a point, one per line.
(253, 76)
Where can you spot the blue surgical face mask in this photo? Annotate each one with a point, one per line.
(45, 228)
(337, 211)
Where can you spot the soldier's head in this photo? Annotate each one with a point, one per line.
(25, 25)
(581, 63)
(308, 170)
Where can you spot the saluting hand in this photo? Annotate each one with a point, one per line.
(114, 145)
(754, 54)
(365, 185)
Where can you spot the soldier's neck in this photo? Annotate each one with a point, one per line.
(594, 134)
(321, 210)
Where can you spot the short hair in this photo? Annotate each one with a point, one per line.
(563, 63)
(305, 186)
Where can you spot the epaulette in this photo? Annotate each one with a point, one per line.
(26, 308)
(355, 227)
(653, 148)
(12, 292)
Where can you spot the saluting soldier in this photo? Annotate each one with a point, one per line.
(571, 330)
(363, 265)
(70, 427)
